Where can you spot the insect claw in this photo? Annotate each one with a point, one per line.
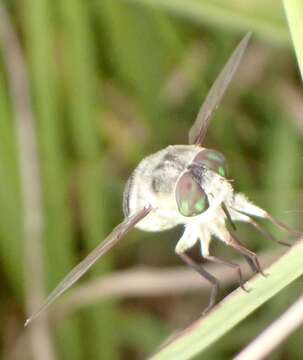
(261, 272)
(206, 275)
(258, 266)
(231, 265)
(207, 310)
(244, 288)
(250, 256)
(212, 300)
(284, 243)
(241, 283)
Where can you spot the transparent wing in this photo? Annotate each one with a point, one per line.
(112, 239)
(215, 95)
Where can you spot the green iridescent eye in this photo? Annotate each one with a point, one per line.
(190, 197)
(212, 159)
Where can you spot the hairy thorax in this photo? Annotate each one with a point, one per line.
(154, 181)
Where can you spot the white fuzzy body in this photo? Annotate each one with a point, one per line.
(153, 182)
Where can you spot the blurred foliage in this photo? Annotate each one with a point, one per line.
(112, 81)
(293, 12)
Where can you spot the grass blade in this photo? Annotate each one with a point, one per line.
(294, 15)
(140, 55)
(235, 307)
(10, 198)
(229, 16)
(83, 106)
(30, 183)
(275, 333)
(39, 35)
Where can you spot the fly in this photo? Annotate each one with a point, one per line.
(187, 185)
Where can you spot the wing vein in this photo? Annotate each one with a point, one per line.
(198, 130)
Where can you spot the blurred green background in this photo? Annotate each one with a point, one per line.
(112, 81)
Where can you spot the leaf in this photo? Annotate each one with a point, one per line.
(235, 308)
(230, 15)
(294, 14)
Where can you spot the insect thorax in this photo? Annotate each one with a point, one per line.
(153, 182)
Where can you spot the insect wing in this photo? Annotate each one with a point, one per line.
(112, 239)
(198, 130)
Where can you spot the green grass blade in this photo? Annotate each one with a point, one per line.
(276, 179)
(235, 307)
(39, 36)
(10, 204)
(264, 19)
(140, 57)
(294, 15)
(83, 108)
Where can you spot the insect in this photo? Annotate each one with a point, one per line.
(187, 185)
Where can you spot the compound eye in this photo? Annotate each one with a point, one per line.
(214, 160)
(190, 197)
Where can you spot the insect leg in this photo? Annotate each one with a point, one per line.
(244, 206)
(228, 216)
(240, 216)
(221, 232)
(205, 237)
(230, 264)
(210, 278)
(250, 256)
(281, 225)
(267, 234)
(188, 239)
